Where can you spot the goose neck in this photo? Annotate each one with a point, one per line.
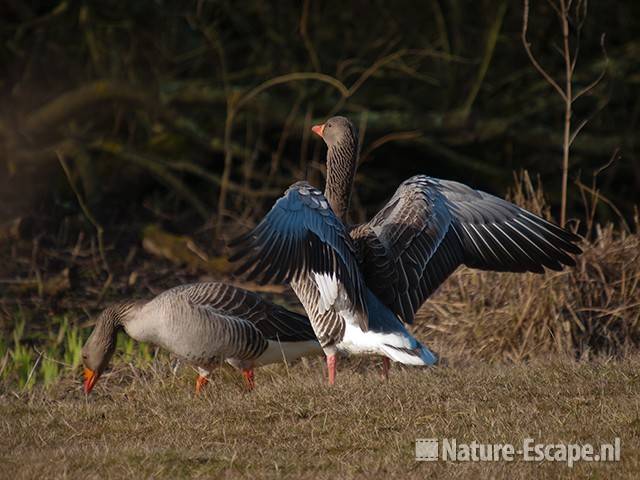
(341, 170)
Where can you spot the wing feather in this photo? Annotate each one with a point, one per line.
(432, 226)
(224, 301)
(302, 236)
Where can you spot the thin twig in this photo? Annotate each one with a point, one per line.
(284, 136)
(492, 38)
(234, 106)
(568, 89)
(293, 77)
(157, 169)
(226, 172)
(304, 22)
(32, 371)
(214, 40)
(554, 6)
(595, 83)
(390, 137)
(85, 210)
(527, 49)
(584, 122)
(611, 205)
(198, 171)
(578, 32)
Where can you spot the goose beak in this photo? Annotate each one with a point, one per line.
(201, 381)
(249, 380)
(318, 129)
(90, 379)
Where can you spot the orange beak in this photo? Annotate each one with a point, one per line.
(90, 379)
(201, 381)
(249, 378)
(318, 129)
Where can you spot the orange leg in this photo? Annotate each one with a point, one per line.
(201, 381)
(331, 366)
(249, 380)
(386, 365)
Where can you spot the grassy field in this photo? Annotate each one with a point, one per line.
(147, 422)
(508, 345)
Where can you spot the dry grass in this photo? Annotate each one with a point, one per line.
(523, 356)
(147, 423)
(593, 308)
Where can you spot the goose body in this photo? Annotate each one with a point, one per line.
(205, 324)
(360, 284)
(337, 328)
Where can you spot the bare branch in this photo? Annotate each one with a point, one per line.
(492, 38)
(390, 137)
(233, 106)
(527, 48)
(604, 199)
(426, 52)
(85, 210)
(83, 98)
(293, 77)
(156, 168)
(580, 7)
(578, 128)
(553, 5)
(614, 157)
(595, 83)
(566, 143)
(585, 122)
(304, 21)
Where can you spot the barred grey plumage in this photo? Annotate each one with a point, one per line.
(328, 323)
(205, 324)
(343, 142)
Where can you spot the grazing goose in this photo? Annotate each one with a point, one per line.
(204, 324)
(360, 284)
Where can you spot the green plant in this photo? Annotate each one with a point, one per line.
(50, 367)
(63, 324)
(22, 356)
(125, 345)
(72, 346)
(145, 352)
(4, 358)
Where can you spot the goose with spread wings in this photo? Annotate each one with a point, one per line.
(360, 284)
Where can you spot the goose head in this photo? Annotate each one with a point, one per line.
(337, 131)
(99, 347)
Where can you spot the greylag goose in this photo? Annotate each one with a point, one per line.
(204, 324)
(359, 284)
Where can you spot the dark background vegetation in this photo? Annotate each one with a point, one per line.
(447, 80)
(136, 137)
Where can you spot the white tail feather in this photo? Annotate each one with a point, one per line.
(421, 356)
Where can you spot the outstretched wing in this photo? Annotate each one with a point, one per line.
(301, 236)
(272, 321)
(431, 226)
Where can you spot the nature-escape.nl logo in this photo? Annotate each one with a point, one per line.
(450, 450)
